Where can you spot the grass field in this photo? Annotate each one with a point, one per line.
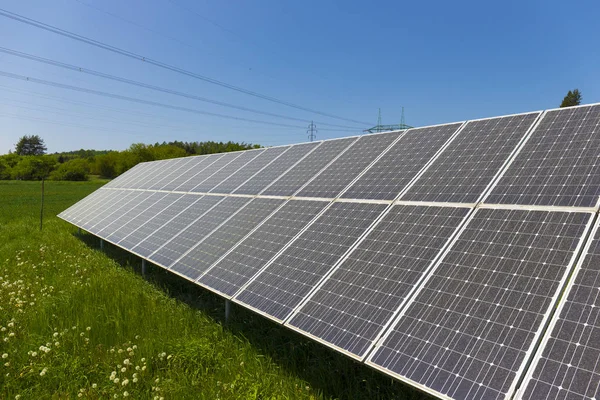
(76, 322)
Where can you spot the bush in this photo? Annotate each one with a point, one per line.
(33, 168)
(73, 170)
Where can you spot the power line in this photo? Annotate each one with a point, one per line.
(141, 101)
(152, 87)
(160, 64)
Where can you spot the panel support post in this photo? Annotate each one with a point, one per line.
(101, 244)
(227, 310)
(143, 267)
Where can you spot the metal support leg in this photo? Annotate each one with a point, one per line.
(227, 309)
(101, 244)
(143, 267)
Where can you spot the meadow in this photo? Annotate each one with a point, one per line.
(77, 322)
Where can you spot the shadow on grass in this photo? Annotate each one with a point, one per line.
(326, 371)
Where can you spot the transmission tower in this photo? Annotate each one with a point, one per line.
(379, 121)
(312, 131)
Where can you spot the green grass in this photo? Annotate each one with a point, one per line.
(77, 322)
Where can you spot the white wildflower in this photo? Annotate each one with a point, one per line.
(94, 385)
(125, 382)
(4, 355)
(44, 372)
(125, 394)
(89, 328)
(123, 369)
(116, 380)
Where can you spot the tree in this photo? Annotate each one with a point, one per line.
(573, 98)
(32, 145)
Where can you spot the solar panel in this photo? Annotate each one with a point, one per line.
(236, 269)
(272, 171)
(82, 207)
(358, 300)
(182, 240)
(239, 162)
(107, 207)
(153, 173)
(117, 211)
(207, 252)
(468, 330)
(331, 181)
(558, 165)
(290, 182)
(463, 171)
(196, 166)
(289, 278)
(386, 178)
(242, 175)
(175, 218)
(164, 169)
(120, 181)
(568, 367)
(139, 214)
(153, 218)
(195, 177)
(182, 166)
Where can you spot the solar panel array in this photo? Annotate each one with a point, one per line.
(459, 258)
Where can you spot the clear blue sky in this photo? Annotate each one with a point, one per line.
(443, 61)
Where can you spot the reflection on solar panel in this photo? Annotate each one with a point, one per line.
(179, 220)
(242, 175)
(272, 171)
(360, 297)
(569, 365)
(346, 168)
(236, 269)
(392, 172)
(468, 330)
(290, 182)
(239, 162)
(285, 282)
(209, 250)
(173, 173)
(467, 166)
(182, 240)
(126, 176)
(559, 164)
(81, 209)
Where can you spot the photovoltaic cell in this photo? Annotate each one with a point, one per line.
(225, 172)
(197, 177)
(293, 180)
(357, 301)
(569, 366)
(385, 179)
(194, 263)
(137, 216)
(286, 281)
(164, 169)
(83, 207)
(463, 171)
(184, 240)
(151, 174)
(151, 219)
(560, 163)
(236, 269)
(468, 330)
(108, 206)
(348, 166)
(173, 173)
(195, 167)
(172, 221)
(117, 212)
(267, 175)
(121, 180)
(265, 158)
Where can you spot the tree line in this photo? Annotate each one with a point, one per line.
(29, 161)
